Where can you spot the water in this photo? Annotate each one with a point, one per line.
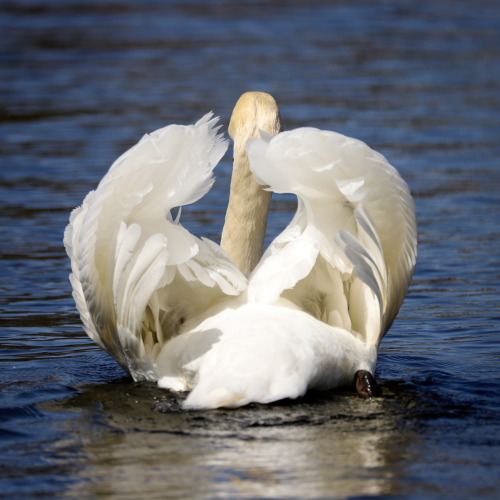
(419, 81)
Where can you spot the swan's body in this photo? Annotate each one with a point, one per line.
(174, 308)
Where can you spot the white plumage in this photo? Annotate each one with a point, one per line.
(174, 308)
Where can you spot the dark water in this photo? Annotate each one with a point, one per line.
(418, 80)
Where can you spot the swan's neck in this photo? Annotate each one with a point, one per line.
(246, 217)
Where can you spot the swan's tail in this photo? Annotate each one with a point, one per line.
(125, 247)
(261, 353)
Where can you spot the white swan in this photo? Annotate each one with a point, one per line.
(199, 317)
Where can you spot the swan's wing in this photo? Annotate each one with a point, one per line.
(137, 274)
(348, 255)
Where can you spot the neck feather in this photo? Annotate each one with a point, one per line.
(246, 217)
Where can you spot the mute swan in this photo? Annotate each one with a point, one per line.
(224, 322)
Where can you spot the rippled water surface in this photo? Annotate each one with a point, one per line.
(417, 80)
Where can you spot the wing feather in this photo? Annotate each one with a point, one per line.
(137, 274)
(362, 252)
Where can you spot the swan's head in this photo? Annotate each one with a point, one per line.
(254, 111)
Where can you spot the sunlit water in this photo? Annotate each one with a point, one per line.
(419, 81)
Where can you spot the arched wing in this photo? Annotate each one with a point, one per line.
(137, 274)
(349, 253)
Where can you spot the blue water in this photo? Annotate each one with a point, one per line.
(419, 81)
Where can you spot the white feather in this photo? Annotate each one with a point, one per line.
(171, 307)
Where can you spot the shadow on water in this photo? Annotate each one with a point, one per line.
(129, 439)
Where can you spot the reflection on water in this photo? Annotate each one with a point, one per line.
(132, 439)
(419, 81)
(138, 444)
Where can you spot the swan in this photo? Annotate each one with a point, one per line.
(228, 323)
